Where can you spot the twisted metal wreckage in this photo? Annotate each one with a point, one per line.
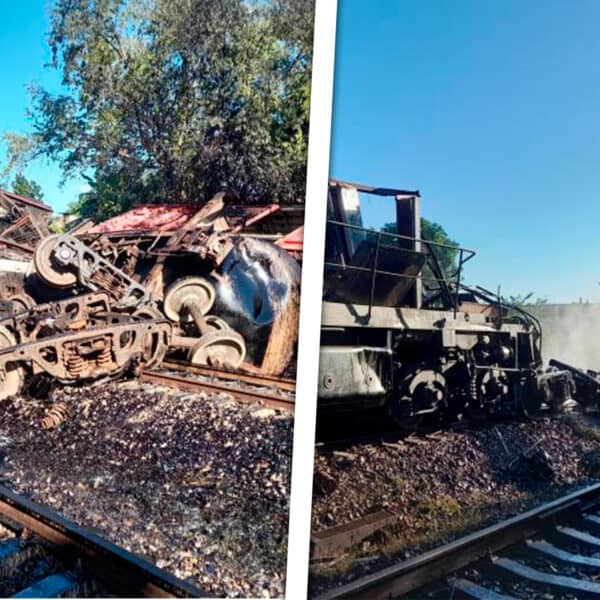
(219, 285)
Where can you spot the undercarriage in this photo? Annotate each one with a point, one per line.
(99, 305)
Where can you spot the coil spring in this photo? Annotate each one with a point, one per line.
(75, 364)
(473, 389)
(55, 416)
(104, 358)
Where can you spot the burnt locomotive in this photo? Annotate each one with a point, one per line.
(400, 330)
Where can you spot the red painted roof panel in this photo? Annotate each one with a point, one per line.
(293, 241)
(146, 217)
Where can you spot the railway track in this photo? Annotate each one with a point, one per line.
(43, 555)
(551, 551)
(271, 392)
(281, 383)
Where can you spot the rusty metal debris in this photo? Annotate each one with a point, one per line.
(323, 483)
(55, 416)
(103, 300)
(330, 542)
(23, 224)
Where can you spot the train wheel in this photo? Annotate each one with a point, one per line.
(155, 344)
(406, 423)
(217, 323)
(421, 393)
(495, 391)
(12, 376)
(185, 291)
(222, 348)
(156, 347)
(45, 267)
(21, 302)
(528, 399)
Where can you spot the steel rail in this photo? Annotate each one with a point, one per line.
(193, 385)
(409, 575)
(118, 569)
(283, 383)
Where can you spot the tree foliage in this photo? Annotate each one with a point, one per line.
(27, 187)
(174, 100)
(446, 255)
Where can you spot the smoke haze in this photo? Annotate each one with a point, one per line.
(570, 333)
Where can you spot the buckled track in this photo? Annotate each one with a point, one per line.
(548, 552)
(42, 555)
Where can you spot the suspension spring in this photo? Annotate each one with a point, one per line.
(75, 365)
(473, 389)
(104, 358)
(55, 416)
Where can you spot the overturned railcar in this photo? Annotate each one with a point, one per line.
(199, 286)
(400, 330)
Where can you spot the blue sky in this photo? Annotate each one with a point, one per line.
(491, 110)
(23, 54)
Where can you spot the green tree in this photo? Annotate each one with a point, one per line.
(446, 255)
(433, 232)
(27, 187)
(174, 100)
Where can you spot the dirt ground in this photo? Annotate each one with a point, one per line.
(198, 485)
(445, 485)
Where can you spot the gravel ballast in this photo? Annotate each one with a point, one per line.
(197, 484)
(444, 485)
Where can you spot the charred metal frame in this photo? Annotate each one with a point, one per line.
(464, 255)
(464, 349)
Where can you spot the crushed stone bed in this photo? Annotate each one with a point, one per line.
(197, 484)
(445, 486)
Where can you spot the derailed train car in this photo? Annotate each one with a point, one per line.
(23, 224)
(400, 330)
(108, 299)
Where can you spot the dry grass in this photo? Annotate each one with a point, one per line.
(436, 521)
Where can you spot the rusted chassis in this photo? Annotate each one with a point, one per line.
(237, 310)
(93, 353)
(233, 301)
